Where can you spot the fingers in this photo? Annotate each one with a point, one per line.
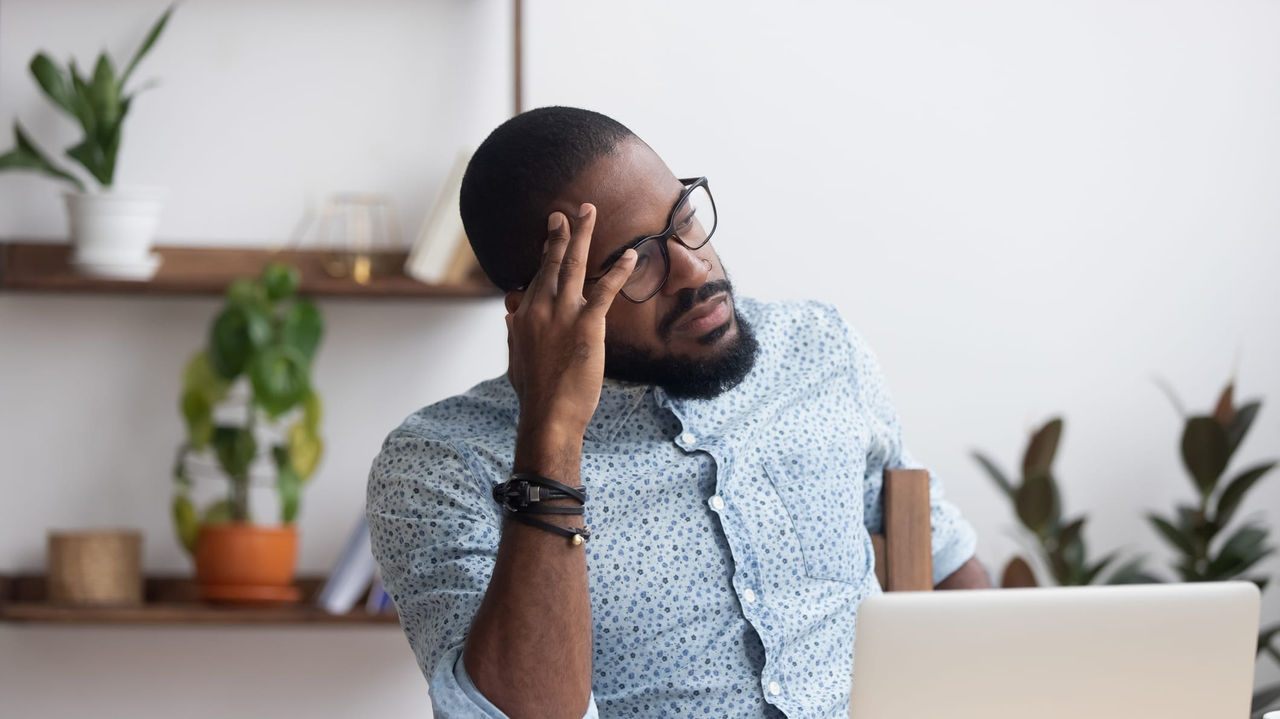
(573, 266)
(547, 279)
(607, 288)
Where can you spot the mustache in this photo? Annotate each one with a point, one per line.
(685, 301)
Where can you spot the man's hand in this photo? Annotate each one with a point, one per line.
(556, 334)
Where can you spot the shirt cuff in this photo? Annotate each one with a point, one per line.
(951, 552)
(454, 695)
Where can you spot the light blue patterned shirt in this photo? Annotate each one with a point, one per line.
(730, 543)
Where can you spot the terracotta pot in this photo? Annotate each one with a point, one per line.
(238, 562)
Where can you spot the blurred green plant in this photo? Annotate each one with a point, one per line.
(1197, 531)
(98, 102)
(1058, 543)
(265, 338)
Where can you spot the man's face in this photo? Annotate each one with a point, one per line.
(688, 337)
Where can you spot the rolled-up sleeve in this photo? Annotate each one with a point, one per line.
(434, 529)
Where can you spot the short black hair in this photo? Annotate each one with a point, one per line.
(514, 176)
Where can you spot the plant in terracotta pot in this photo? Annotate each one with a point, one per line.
(251, 412)
(111, 228)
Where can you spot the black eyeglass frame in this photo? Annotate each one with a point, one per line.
(691, 184)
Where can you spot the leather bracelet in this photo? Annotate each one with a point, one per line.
(526, 489)
(575, 535)
(554, 489)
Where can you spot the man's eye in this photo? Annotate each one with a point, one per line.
(685, 222)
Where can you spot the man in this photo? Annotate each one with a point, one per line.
(730, 450)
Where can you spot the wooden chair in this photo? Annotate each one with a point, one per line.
(904, 555)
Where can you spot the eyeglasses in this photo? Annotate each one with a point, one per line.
(691, 223)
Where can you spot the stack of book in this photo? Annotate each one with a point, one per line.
(355, 576)
(441, 254)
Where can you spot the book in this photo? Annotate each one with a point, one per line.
(352, 575)
(441, 236)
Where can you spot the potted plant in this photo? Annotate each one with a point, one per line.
(1057, 543)
(1198, 531)
(112, 229)
(250, 409)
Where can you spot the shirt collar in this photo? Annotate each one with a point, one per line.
(618, 400)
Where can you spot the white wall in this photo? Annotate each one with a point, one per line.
(1028, 207)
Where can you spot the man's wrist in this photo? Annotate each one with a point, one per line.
(550, 451)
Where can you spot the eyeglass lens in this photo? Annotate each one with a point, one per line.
(693, 222)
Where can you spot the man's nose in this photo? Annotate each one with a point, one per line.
(689, 269)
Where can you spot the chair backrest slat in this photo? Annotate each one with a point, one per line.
(904, 556)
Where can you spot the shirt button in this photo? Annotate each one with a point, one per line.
(749, 595)
(775, 688)
(688, 438)
(716, 503)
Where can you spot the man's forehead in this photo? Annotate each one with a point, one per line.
(632, 190)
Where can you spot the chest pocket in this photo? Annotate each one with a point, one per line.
(825, 509)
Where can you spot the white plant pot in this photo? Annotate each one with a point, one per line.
(112, 232)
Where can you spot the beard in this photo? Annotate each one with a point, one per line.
(688, 377)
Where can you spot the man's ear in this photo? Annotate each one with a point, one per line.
(512, 300)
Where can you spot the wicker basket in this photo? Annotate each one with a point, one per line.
(95, 567)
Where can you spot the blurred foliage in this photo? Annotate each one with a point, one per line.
(266, 337)
(97, 101)
(1197, 531)
(1037, 502)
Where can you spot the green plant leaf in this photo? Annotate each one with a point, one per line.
(1091, 573)
(1233, 495)
(1038, 459)
(244, 291)
(53, 81)
(82, 101)
(1017, 573)
(198, 413)
(1034, 501)
(1070, 534)
(279, 375)
(288, 484)
(996, 475)
(313, 411)
(305, 449)
(185, 522)
(26, 156)
(218, 512)
(1172, 535)
(236, 448)
(234, 335)
(302, 328)
(200, 376)
(152, 35)
(90, 154)
(1240, 425)
(1241, 551)
(105, 92)
(1225, 410)
(1205, 451)
(1129, 573)
(280, 280)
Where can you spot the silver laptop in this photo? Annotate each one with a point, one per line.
(1177, 651)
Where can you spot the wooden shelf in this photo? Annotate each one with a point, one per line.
(42, 267)
(172, 600)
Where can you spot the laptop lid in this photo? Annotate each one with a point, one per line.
(1177, 651)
